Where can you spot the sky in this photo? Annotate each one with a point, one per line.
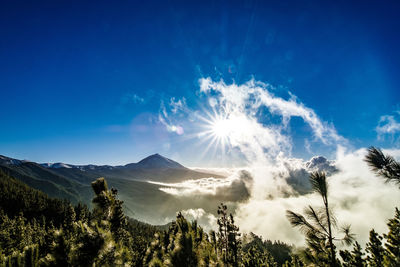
(111, 82)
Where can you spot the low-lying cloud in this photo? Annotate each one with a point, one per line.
(358, 197)
(276, 182)
(234, 188)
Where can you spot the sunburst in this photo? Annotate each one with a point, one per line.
(219, 131)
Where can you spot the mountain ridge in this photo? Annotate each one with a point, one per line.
(153, 161)
(72, 182)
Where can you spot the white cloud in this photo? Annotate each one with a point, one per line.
(387, 125)
(307, 146)
(241, 103)
(265, 146)
(357, 195)
(178, 105)
(132, 97)
(206, 220)
(202, 186)
(165, 119)
(137, 99)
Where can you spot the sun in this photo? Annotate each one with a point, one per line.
(221, 128)
(219, 131)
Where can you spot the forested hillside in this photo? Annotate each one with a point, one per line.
(142, 199)
(37, 230)
(47, 181)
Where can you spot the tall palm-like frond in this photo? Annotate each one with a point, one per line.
(348, 238)
(384, 165)
(332, 217)
(318, 183)
(318, 225)
(298, 220)
(318, 218)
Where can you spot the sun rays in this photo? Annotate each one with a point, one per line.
(218, 131)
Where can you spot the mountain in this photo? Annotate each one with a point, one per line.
(320, 163)
(299, 175)
(152, 168)
(9, 161)
(146, 201)
(143, 200)
(155, 161)
(46, 180)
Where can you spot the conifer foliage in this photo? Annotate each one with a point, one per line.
(228, 236)
(318, 226)
(375, 249)
(383, 165)
(61, 234)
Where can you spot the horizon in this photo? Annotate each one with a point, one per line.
(155, 154)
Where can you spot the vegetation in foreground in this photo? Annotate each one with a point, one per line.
(36, 230)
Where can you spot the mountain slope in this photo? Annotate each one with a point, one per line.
(72, 182)
(46, 180)
(152, 168)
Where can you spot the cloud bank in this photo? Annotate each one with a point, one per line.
(275, 182)
(359, 198)
(234, 188)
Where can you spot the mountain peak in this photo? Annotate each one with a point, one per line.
(320, 163)
(155, 155)
(158, 161)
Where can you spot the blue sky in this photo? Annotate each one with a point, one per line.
(86, 82)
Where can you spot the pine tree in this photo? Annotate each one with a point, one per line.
(228, 236)
(392, 257)
(223, 231)
(109, 208)
(214, 243)
(59, 251)
(384, 165)
(233, 241)
(294, 262)
(353, 258)
(117, 219)
(102, 199)
(319, 231)
(375, 250)
(254, 257)
(183, 253)
(69, 219)
(82, 212)
(156, 251)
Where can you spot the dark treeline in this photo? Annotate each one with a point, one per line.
(36, 230)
